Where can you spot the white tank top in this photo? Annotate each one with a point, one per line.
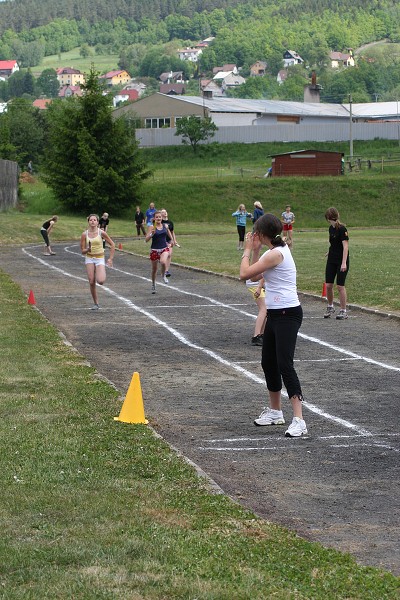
(280, 282)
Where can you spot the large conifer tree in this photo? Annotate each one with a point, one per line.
(92, 161)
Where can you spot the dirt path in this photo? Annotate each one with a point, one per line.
(203, 386)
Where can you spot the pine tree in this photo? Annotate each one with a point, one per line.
(93, 162)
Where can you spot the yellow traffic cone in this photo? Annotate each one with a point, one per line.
(132, 410)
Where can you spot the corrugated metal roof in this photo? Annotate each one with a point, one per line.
(266, 107)
(373, 110)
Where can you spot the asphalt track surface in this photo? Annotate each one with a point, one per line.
(203, 385)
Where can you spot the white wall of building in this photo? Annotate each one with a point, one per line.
(338, 132)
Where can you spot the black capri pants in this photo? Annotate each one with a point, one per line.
(279, 344)
(332, 270)
(45, 236)
(241, 229)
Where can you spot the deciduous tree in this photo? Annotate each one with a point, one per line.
(194, 130)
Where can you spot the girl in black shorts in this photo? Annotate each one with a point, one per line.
(337, 265)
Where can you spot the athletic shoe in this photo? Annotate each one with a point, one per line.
(95, 307)
(269, 416)
(329, 311)
(52, 253)
(165, 279)
(167, 274)
(257, 340)
(342, 314)
(153, 289)
(296, 428)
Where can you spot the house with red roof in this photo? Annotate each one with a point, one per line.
(8, 68)
(125, 96)
(66, 91)
(341, 59)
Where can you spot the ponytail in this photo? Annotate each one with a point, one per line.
(271, 227)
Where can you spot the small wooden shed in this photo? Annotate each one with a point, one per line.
(307, 163)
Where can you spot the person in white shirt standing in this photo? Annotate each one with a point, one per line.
(288, 219)
(284, 318)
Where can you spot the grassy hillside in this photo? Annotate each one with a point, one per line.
(102, 63)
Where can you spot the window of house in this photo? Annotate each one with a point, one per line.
(157, 122)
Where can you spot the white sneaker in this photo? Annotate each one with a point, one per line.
(296, 428)
(165, 278)
(269, 416)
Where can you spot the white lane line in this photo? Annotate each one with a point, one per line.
(206, 351)
(292, 447)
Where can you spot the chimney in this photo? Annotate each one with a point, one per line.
(312, 91)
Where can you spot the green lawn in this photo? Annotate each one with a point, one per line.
(73, 59)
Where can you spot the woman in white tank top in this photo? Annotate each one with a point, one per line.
(284, 318)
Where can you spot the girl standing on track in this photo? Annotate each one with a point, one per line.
(160, 237)
(287, 219)
(284, 318)
(45, 230)
(337, 264)
(92, 249)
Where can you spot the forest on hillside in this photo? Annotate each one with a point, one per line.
(146, 35)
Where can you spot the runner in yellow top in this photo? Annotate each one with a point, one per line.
(92, 249)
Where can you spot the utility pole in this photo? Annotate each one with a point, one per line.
(351, 125)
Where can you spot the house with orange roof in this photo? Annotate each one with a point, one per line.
(42, 103)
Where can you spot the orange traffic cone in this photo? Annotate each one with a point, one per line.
(132, 410)
(31, 298)
(323, 295)
(120, 246)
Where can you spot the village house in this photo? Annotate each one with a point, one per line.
(291, 58)
(282, 76)
(69, 76)
(112, 78)
(66, 91)
(230, 68)
(232, 81)
(340, 59)
(136, 85)
(8, 68)
(172, 89)
(125, 96)
(191, 54)
(258, 69)
(205, 43)
(172, 77)
(42, 103)
(210, 89)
